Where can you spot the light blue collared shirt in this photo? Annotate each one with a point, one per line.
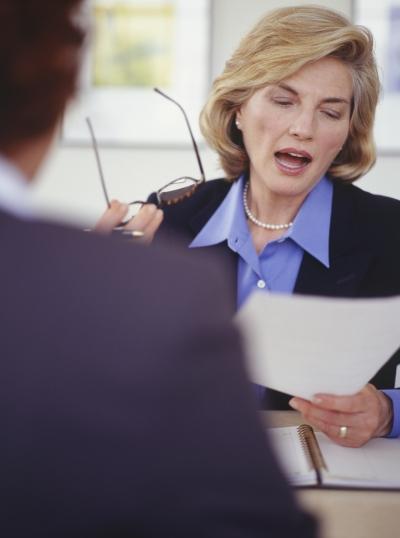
(276, 268)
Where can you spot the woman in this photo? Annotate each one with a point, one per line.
(291, 119)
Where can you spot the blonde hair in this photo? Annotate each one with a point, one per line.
(280, 44)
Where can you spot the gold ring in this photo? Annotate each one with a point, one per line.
(343, 432)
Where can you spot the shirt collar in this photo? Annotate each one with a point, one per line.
(310, 228)
(227, 220)
(15, 196)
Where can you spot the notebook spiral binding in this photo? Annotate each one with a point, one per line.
(311, 448)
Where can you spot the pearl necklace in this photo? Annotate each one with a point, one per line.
(258, 222)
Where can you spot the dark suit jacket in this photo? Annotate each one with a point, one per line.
(364, 249)
(124, 407)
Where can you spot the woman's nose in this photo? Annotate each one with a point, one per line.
(302, 126)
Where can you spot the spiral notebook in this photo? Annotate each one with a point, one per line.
(309, 458)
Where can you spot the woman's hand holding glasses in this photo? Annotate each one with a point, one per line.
(140, 220)
(143, 226)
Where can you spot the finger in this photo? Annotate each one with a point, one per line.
(147, 221)
(330, 421)
(323, 417)
(347, 404)
(360, 426)
(322, 421)
(112, 217)
(355, 435)
(299, 404)
(142, 218)
(152, 227)
(353, 439)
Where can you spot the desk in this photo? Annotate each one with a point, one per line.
(346, 513)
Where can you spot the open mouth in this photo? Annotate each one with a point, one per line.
(292, 161)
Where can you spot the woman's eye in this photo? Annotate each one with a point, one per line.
(283, 102)
(332, 114)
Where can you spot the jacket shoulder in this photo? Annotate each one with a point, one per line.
(189, 215)
(368, 201)
(374, 212)
(213, 188)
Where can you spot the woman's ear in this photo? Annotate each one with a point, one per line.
(238, 118)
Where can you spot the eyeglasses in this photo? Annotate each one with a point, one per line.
(174, 191)
(169, 194)
(133, 206)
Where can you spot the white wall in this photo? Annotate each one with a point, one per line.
(68, 187)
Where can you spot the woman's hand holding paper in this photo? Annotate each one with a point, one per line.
(348, 420)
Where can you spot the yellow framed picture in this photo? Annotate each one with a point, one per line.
(137, 45)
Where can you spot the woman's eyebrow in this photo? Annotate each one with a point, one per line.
(289, 89)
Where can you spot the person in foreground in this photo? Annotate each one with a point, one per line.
(291, 118)
(125, 410)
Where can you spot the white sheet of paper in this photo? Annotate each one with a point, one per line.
(303, 345)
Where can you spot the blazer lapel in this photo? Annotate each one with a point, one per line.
(342, 279)
(201, 215)
(349, 256)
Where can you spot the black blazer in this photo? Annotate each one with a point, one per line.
(124, 406)
(364, 247)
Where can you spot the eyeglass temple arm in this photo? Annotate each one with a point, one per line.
(196, 149)
(99, 167)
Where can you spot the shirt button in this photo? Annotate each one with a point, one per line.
(261, 284)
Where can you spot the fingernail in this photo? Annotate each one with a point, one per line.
(317, 400)
(137, 233)
(293, 403)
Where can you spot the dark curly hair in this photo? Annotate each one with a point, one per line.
(40, 48)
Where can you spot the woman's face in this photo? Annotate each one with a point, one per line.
(292, 131)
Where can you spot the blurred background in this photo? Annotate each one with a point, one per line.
(143, 140)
